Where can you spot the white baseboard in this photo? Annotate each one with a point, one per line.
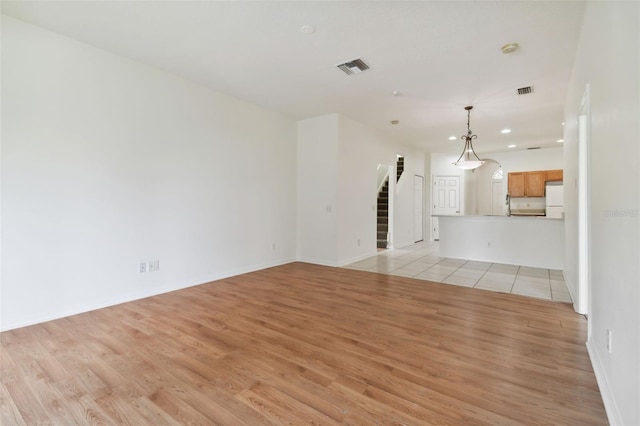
(404, 244)
(357, 258)
(130, 297)
(317, 262)
(605, 390)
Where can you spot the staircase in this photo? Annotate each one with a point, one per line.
(399, 167)
(383, 215)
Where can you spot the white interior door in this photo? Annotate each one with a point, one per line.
(418, 201)
(446, 195)
(497, 198)
(446, 200)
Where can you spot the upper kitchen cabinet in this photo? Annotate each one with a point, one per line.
(553, 175)
(531, 184)
(534, 184)
(516, 184)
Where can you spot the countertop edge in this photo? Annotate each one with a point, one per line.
(499, 217)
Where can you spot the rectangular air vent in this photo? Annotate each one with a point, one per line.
(525, 90)
(355, 66)
(534, 147)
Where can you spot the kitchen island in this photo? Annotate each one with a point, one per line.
(523, 240)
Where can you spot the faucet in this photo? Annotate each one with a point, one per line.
(508, 203)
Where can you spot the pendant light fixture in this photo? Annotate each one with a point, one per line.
(468, 160)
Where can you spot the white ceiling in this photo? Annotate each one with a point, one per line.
(440, 55)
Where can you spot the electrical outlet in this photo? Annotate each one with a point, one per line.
(488, 243)
(358, 242)
(273, 246)
(154, 265)
(143, 267)
(609, 341)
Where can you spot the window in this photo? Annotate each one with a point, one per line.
(498, 174)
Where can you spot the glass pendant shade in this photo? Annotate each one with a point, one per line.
(469, 165)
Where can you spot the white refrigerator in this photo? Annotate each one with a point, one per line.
(554, 194)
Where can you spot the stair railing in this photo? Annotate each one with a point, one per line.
(385, 178)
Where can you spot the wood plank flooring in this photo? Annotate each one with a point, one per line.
(304, 344)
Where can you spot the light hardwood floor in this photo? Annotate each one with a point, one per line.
(306, 344)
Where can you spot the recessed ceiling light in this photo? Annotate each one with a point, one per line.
(307, 29)
(452, 138)
(396, 93)
(511, 146)
(509, 48)
(505, 131)
(560, 140)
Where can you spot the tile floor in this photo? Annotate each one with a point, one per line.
(421, 261)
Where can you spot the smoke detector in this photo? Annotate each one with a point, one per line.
(354, 66)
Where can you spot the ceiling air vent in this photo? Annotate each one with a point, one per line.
(534, 147)
(525, 90)
(355, 66)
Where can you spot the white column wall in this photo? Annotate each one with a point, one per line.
(317, 190)
(361, 149)
(608, 59)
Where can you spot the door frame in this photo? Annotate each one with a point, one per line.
(500, 183)
(421, 180)
(583, 302)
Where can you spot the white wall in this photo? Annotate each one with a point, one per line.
(427, 197)
(107, 163)
(357, 189)
(352, 154)
(524, 241)
(608, 60)
(317, 190)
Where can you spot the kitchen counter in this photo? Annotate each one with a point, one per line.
(535, 241)
(502, 217)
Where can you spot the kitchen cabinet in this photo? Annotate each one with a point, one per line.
(534, 184)
(526, 184)
(516, 184)
(553, 175)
